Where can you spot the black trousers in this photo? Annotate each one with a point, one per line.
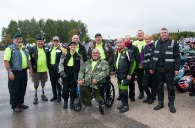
(149, 81)
(69, 85)
(54, 77)
(132, 86)
(17, 87)
(168, 78)
(140, 73)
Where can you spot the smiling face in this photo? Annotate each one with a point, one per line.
(164, 35)
(55, 43)
(140, 35)
(40, 43)
(75, 38)
(98, 39)
(95, 54)
(72, 47)
(18, 41)
(148, 39)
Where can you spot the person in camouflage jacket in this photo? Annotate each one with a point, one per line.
(91, 75)
(106, 50)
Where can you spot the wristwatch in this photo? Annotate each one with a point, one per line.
(10, 72)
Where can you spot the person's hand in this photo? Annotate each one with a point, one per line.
(151, 71)
(80, 82)
(30, 72)
(94, 81)
(128, 77)
(176, 72)
(62, 74)
(11, 76)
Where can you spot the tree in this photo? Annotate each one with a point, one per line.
(32, 29)
(12, 28)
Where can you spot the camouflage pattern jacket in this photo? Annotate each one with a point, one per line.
(100, 71)
(108, 50)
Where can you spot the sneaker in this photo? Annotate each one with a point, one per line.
(17, 109)
(35, 100)
(44, 98)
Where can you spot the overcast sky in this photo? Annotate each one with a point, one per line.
(114, 18)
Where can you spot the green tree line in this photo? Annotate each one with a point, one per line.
(31, 29)
(176, 35)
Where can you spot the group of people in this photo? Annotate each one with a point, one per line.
(90, 69)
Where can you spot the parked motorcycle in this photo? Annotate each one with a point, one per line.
(187, 82)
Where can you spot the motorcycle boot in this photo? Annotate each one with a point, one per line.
(65, 104)
(171, 104)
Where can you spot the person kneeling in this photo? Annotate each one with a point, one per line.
(91, 75)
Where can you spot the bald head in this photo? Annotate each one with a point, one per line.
(95, 54)
(75, 38)
(120, 43)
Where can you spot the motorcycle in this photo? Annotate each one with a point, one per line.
(187, 82)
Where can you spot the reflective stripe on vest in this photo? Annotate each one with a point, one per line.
(169, 60)
(169, 52)
(155, 43)
(154, 58)
(148, 54)
(146, 61)
(156, 51)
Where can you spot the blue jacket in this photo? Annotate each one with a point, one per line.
(16, 57)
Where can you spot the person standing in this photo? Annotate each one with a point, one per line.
(80, 48)
(17, 61)
(136, 55)
(91, 75)
(40, 62)
(69, 67)
(140, 71)
(165, 64)
(55, 54)
(148, 79)
(124, 69)
(106, 51)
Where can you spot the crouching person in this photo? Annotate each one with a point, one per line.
(123, 66)
(69, 67)
(91, 75)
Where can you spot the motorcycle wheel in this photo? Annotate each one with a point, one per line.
(179, 89)
(77, 107)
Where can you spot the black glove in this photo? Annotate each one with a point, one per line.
(63, 74)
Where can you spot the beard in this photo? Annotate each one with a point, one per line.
(19, 44)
